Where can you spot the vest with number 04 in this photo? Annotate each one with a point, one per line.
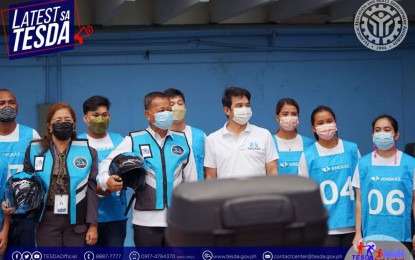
(333, 173)
(164, 168)
(78, 163)
(386, 197)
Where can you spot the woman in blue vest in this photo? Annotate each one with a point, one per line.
(331, 162)
(288, 142)
(384, 184)
(69, 169)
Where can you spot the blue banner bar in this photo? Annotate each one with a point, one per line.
(205, 253)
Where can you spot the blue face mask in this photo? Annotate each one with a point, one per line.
(163, 119)
(383, 141)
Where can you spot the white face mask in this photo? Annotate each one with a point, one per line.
(241, 115)
(326, 131)
(288, 123)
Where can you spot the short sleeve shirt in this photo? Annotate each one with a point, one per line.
(241, 156)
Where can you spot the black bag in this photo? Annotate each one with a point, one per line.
(257, 211)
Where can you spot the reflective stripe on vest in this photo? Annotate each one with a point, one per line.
(78, 163)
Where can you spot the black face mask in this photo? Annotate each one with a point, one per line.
(62, 131)
(8, 114)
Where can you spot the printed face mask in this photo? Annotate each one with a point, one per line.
(99, 124)
(163, 119)
(62, 131)
(8, 114)
(241, 115)
(383, 141)
(289, 123)
(326, 131)
(179, 112)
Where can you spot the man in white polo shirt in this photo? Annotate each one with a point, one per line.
(239, 149)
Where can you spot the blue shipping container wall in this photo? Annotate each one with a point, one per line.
(315, 66)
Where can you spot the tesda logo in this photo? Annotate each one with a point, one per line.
(381, 25)
(378, 247)
(42, 27)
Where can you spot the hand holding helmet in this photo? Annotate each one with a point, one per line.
(130, 169)
(114, 183)
(24, 192)
(6, 209)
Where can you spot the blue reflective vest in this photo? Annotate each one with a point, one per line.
(198, 148)
(111, 207)
(14, 152)
(386, 198)
(333, 173)
(288, 160)
(3, 180)
(78, 163)
(164, 167)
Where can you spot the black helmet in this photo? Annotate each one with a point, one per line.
(24, 191)
(130, 167)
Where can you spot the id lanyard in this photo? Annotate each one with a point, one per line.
(61, 200)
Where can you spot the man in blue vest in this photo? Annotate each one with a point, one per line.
(4, 218)
(195, 136)
(111, 219)
(14, 139)
(166, 154)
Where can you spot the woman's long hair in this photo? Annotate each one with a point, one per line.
(51, 111)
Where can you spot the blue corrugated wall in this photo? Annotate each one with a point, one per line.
(314, 65)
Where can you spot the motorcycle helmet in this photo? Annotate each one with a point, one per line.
(24, 191)
(131, 168)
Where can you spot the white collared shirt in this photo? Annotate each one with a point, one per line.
(241, 156)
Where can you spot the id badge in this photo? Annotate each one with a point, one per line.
(39, 161)
(61, 204)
